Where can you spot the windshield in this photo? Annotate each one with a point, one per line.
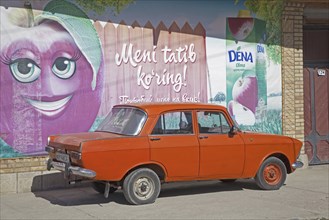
(123, 120)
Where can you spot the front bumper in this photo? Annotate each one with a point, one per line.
(297, 165)
(68, 169)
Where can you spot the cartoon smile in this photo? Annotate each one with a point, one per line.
(49, 108)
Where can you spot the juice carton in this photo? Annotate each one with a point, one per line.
(246, 84)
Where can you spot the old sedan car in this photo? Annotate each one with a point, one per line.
(139, 146)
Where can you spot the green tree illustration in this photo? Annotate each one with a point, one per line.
(219, 97)
(271, 12)
(99, 6)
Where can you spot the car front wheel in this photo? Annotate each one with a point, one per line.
(142, 186)
(272, 174)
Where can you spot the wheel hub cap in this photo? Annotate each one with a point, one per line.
(143, 188)
(272, 174)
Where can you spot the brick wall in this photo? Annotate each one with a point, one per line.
(26, 174)
(23, 164)
(292, 73)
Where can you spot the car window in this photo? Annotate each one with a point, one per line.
(178, 122)
(212, 122)
(121, 120)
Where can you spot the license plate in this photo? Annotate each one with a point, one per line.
(63, 157)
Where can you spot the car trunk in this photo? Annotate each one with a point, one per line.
(72, 142)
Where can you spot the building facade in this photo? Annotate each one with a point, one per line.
(303, 73)
(304, 52)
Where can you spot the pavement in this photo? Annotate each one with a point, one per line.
(305, 195)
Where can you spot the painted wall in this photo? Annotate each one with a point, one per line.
(63, 73)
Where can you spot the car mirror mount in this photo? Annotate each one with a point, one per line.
(232, 131)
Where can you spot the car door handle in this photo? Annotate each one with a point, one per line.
(203, 137)
(154, 139)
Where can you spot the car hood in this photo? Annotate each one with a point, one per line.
(73, 141)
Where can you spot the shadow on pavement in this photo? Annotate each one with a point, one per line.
(201, 187)
(79, 196)
(86, 195)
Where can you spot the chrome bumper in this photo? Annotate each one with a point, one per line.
(297, 165)
(68, 169)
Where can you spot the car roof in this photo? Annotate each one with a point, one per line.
(158, 107)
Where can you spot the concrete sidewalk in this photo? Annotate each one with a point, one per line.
(304, 196)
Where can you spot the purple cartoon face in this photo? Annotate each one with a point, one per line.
(45, 87)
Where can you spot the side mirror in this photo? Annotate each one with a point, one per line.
(232, 131)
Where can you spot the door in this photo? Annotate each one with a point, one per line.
(316, 93)
(221, 154)
(316, 116)
(175, 145)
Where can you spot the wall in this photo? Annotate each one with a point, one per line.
(71, 88)
(29, 173)
(292, 74)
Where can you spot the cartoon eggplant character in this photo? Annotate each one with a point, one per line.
(51, 74)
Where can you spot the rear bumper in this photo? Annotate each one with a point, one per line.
(68, 169)
(297, 165)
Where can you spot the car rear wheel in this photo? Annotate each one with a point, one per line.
(142, 186)
(100, 187)
(272, 174)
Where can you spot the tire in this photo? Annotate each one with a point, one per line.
(272, 174)
(100, 187)
(142, 186)
(228, 180)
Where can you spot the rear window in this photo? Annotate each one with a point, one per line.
(123, 120)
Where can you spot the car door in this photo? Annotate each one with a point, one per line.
(221, 154)
(175, 145)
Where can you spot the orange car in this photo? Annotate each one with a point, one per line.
(139, 146)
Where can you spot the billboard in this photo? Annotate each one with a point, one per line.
(63, 69)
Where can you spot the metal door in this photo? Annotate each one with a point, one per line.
(316, 114)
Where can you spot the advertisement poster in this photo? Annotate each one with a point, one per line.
(65, 64)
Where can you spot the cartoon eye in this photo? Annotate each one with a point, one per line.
(64, 68)
(25, 70)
